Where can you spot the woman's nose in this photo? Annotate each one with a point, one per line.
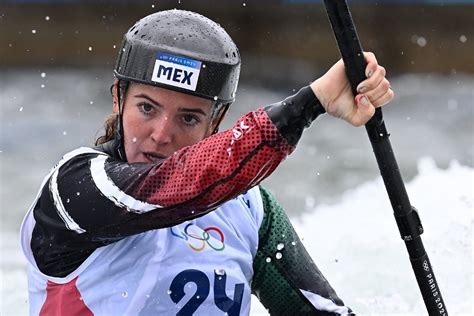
(162, 131)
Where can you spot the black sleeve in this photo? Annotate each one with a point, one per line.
(295, 113)
(286, 280)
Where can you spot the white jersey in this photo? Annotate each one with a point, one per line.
(200, 267)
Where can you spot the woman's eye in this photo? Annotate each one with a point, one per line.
(189, 119)
(146, 108)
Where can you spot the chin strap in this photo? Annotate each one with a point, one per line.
(119, 138)
(225, 108)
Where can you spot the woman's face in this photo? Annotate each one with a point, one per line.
(157, 122)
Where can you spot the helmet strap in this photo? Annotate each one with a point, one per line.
(221, 112)
(119, 135)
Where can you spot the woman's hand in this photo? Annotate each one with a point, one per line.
(334, 92)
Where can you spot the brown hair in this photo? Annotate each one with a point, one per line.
(110, 124)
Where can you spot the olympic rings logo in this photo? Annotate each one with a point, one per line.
(198, 238)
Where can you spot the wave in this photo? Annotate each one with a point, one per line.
(356, 243)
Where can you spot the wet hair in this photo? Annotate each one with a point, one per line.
(110, 124)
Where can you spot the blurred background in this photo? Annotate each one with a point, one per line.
(57, 58)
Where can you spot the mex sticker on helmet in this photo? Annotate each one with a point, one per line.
(176, 71)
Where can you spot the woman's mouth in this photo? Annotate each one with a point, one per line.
(154, 157)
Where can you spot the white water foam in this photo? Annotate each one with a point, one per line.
(357, 245)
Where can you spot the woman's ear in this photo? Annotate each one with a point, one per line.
(115, 97)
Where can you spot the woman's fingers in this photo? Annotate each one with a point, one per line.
(373, 82)
(384, 98)
(363, 112)
(379, 91)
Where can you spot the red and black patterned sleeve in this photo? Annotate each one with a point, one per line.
(217, 169)
(94, 199)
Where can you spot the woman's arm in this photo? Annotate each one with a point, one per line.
(93, 199)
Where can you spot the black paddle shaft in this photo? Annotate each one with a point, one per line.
(406, 216)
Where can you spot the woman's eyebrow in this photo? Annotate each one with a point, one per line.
(144, 96)
(192, 110)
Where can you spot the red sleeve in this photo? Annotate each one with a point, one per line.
(217, 168)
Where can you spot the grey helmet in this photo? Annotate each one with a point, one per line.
(182, 51)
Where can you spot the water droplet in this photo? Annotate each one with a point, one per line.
(42, 86)
(91, 102)
(280, 246)
(153, 6)
(43, 74)
(463, 38)
(46, 18)
(197, 296)
(192, 212)
(421, 41)
(33, 31)
(215, 98)
(21, 109)
(278, 255)
(244, 4)
(124, 294)
(203, 65)
(268, 259)
(452, 104)
(90, 48)
(78, 193)
(219, 271)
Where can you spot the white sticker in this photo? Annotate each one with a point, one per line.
(176, 71)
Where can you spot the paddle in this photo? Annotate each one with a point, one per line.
(406, 216)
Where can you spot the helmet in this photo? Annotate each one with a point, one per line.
(182, 51)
